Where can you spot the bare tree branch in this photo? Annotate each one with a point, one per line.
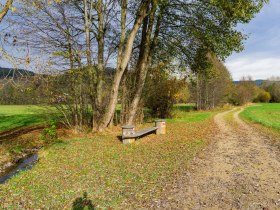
(5, 9)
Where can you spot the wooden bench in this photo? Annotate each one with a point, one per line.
(129, 134)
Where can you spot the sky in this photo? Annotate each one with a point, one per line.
(261, 56)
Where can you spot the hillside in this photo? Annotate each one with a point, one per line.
(16, 73)
(258, 82)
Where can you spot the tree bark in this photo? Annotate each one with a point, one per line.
(124, 55)
(100, 65)
(144, 59)
(87, 30)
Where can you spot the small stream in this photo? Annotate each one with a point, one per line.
(26, 164)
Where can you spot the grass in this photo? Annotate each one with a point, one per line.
(264, 114)
(16, 116)
(112, 174)
(229, 117)
(185, 113)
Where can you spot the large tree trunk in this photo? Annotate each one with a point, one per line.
(91, 71)
(100, 65)
(144, 59)
(5, 9)
(141, 67)
(123, 59)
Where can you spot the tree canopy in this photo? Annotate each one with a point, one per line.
(85, 37)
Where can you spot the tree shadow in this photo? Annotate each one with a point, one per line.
(185, 108)
(83, 203)
(120, 138)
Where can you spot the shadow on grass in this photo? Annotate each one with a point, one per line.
(27, 116)
(185, 108)
(83, 203)
(120, 138)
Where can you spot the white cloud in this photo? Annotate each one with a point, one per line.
(256, 66)
(261, 57)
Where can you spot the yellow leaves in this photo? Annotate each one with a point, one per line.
(112, 175)
(51, 1)
(14, 9)
(38, 3)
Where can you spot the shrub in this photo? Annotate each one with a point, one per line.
(264, 96)
(49, 134)
(163, 96)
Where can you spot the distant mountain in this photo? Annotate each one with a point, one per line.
(258, 82)
(15, 73)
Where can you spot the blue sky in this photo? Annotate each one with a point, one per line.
(261, 56)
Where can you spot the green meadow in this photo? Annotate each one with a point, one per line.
(17, 116)
(264, 114)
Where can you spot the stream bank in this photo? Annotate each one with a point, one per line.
(19, 152)
(26, 163)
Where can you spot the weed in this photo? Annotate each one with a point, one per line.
(49, 134)
(16, 149)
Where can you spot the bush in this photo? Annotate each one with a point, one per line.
(273, 87)
(163, 95)
(245, 92)
(264, 97)
(49, 134)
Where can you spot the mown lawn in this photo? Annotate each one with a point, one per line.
(112, 174)
(16, 116)
(265, 114)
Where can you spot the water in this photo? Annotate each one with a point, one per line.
(26, 164)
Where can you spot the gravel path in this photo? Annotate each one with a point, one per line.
(240, 170)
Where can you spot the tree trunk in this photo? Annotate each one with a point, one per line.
(144, 59)
(100, 65)
(87, 30)
(125, 100)
(122, 60)
(197, 92)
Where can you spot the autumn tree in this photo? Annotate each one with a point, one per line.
(180, 28)
(163, 90)
(211, 81)
(274, 89)
(263, 96)
(245, 91)
(83, 36)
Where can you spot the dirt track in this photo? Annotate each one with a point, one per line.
(12, 134)
(240, 170)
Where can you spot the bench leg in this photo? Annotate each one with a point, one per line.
(128, 141)
(161, 125)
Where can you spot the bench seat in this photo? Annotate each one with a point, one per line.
(140, 133)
